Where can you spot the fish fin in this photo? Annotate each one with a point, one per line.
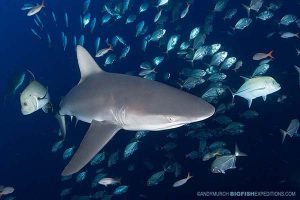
(284, 133)
(189, 176)
(30, 72)
(270, 54)
(76, 122)
(249, 102)
(248, 9)
(87, 65)
(95, 139)
(245, 78)
(238, 152)
(233, 95)
(297, 68)
(45, 95)
(110, 47)
(222, 171)
(47, 107)
(264, 97)
(62, 124)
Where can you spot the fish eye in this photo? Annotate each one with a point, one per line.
(25, 104)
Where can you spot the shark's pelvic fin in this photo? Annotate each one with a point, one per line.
(95, 139)
(87, 64)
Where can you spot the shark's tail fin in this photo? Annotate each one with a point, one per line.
(238, 152)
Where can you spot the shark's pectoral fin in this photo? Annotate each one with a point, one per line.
(95, 139)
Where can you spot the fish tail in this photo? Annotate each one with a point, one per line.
(43, 4)
(297, 35)
(111, 47)
(189, 175)
(191, 61)
(232, 94)
(238, 152)
(270, 54)
(284, 133)
(297, 68)
(30, 72)
(248, 9)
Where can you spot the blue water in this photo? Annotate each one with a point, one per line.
(28, 164)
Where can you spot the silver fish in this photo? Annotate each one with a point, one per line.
(218, 58)
(110, 59)
(230, 13)
(261, 70)
(287, 19)
(265, 15)
(124, 52)
(223, 163)
(157, 34)
(243, 23)
(229, 62)
(255, 87)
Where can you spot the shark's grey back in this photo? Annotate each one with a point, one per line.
(107, 92)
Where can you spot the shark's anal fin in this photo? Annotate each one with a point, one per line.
(95, 139)
(87, 64)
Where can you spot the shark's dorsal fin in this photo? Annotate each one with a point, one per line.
(87, 64)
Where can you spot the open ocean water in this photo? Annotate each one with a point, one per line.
(34, 171)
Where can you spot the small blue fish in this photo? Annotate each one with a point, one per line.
(120, 190)
(68, 153)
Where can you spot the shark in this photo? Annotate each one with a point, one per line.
(111, 102)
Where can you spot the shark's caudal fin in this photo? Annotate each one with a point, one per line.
(87, 64)
(95, 139)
